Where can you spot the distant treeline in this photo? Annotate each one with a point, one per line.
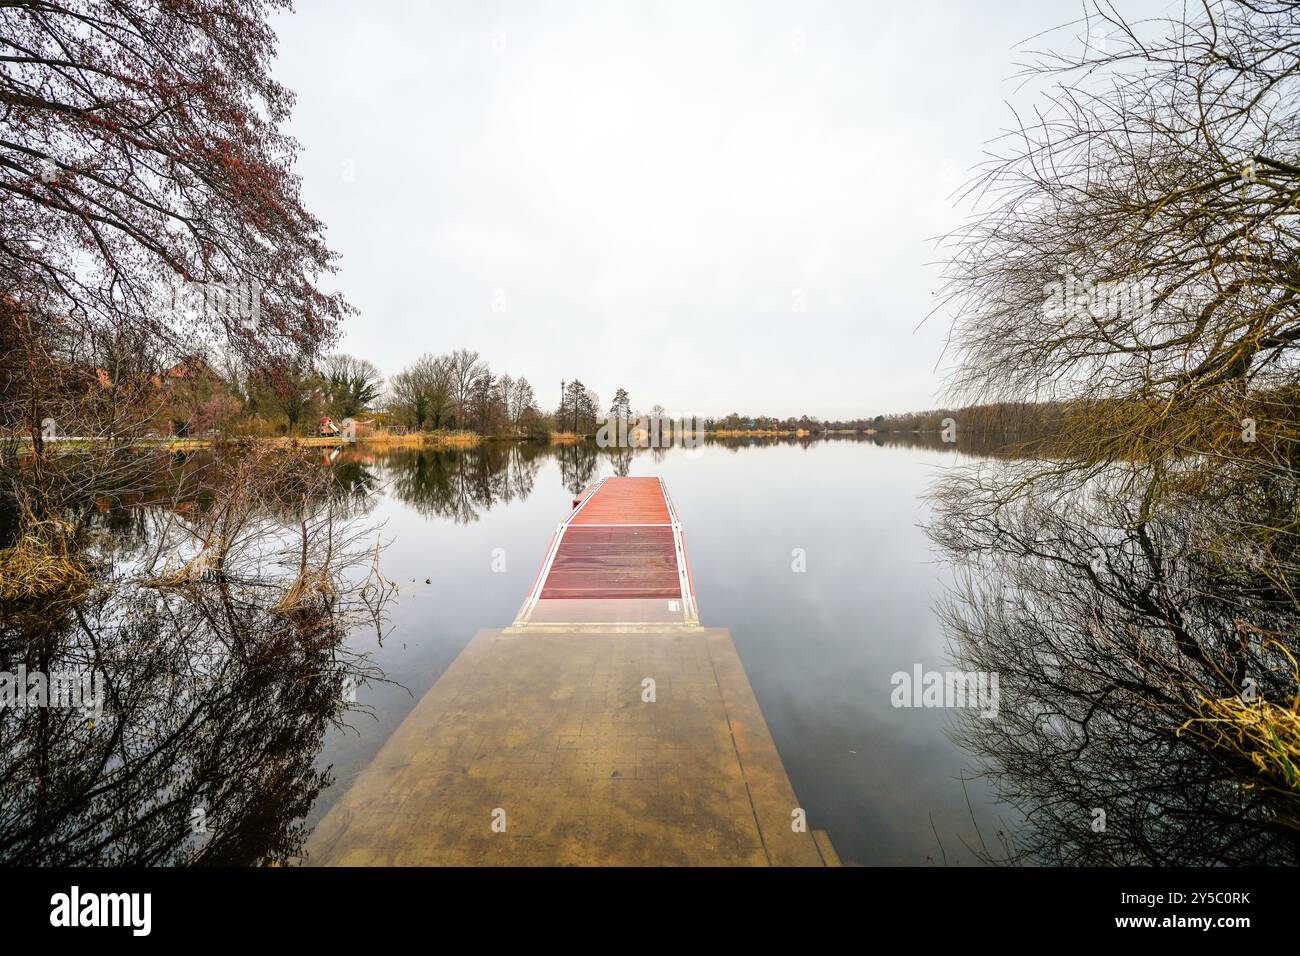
(218, 393)
(1008, 419)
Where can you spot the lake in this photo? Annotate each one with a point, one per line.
(809, 551)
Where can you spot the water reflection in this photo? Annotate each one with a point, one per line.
(215, 712)
(232, 664)
(1147, 663)
(460, 484)
(223, 592)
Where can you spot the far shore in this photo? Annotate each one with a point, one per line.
(423, 439)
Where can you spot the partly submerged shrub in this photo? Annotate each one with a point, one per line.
(49, 561)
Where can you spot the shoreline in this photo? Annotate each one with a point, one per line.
(430, 439)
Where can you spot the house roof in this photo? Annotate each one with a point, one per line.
(189, 368)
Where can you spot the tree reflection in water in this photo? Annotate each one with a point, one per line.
(459, 484)
(223, 595)
(1127, 637)
(1118, 625)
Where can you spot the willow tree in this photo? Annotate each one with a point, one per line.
(1138, 238)
(1133, 255)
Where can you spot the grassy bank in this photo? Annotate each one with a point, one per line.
(433, 439)
(759, 433)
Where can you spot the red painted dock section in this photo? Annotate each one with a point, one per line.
(624, 501)
(611, 562)
(619, 558)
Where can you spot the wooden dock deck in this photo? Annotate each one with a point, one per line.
(605, 726)
(619, 558)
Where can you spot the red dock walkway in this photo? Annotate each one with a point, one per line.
(619, 557)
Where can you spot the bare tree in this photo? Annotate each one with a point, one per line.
(465, 367)
(483, 402)
(522, 400)
(422, 393)
(505, 396)
(142, 155)
(1133, 256)
(1137, 239)
(141, 147)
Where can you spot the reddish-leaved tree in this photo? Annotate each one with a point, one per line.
(141, 148)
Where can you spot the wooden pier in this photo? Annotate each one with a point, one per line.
(604, 726)
(618, 559)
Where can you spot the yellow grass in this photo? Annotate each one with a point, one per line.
(307, 589)
(434, 439)
(1264, 733)
(280, 441)
(192, 571)
(758, 432)
(44, 564)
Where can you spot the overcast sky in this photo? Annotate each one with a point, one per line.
(717, 206)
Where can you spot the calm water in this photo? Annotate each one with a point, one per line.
(819, 646)
(222, 610)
